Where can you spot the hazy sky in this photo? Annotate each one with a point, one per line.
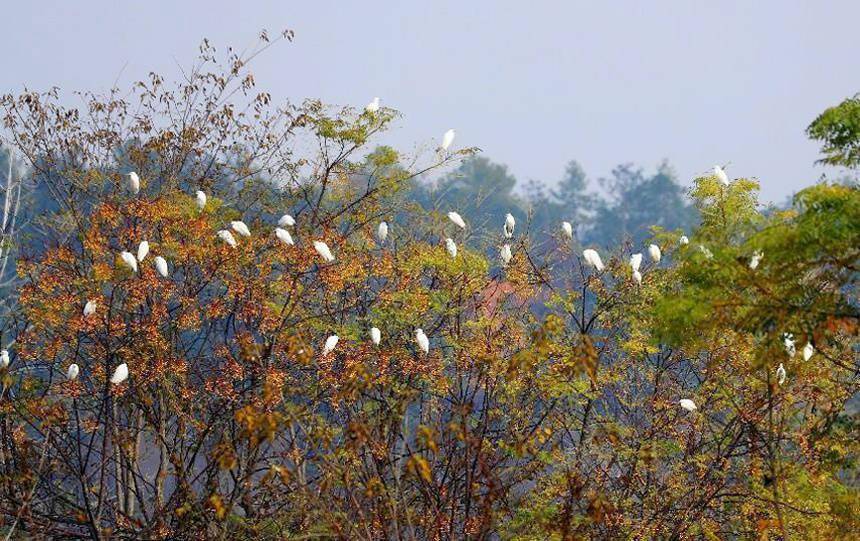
(534, 83)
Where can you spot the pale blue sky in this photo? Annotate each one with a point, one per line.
(534, 83)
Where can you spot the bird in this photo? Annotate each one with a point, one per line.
(133, 182)
(721, 175)
(72, 372)
(201, 199)
(505, 255)
(635, 261)
(89, 308)
(788, 342)
(567, 229)
(240, 227)
(510, 222)
(322, 249)
(688, 404)
(683, 241)
(142, 250)
(284, 236)
(780, 374)
(373, 106)
(375, 335)
(708, 253)
(451, 247)
(808, 351)
(638, 277)
(422, 340)
(382, 232)
(287, 221)
(329, 345)
(654, 252)
(4, 358)
(161, 266)
(457, 219)
(447, 139)
(227, 237)
(593, 259)
(120, 374)
(755, 260)
(129, 260)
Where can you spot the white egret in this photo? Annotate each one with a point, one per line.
(688, 404)
(227, 237)
(683, 241)
(635, 262)
(284, 236)
(755, 260)
(161, 266)
(780, 374)
(382, 232)
(323, 251)
(142, 250)
(287, 221)
(451, 247)
(72, 372)
(240, 227)
(510, 222)
(788, 342)
(638, 277)
(120, 374)
(447, 139)
(505, 255)
(567, 229)
(133, 182)
(89, 308)
(422, 340)
(375, 335)
(330, 344)
(129, 260)
(808, 351)
(4, 358)
(201, 199)
(373, 106)
(593, 259)
(457, 219)
(721, 175)
(708, 254)
(654, 252)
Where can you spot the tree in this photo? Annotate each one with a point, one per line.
(838, 129)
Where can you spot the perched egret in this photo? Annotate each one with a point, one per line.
(708, 254)
(755, 260)
(120, 374)
(227, 237)
(287, 221)
(382, 232)
(683, 241)
(808, 351)
(89, 308)
(72, 372)
(373, 106)
(240, 227)
(505, 255)
(4, 358)
(201, 199)
(329, 345)
(457, 219)
(422, 340)
(687, 404)
(129, 260)
(284, 236)
(788, 342)
(567, 229)
(721, 175)
(593, 259)
(635, 262)
(375, 335)
(451, 247)
(133, 182)
(638, 277)
(780, 374)
(510, 222)
(447, 139)
(142, 250)
(161, 266)
(654, 252)
(323, 251)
